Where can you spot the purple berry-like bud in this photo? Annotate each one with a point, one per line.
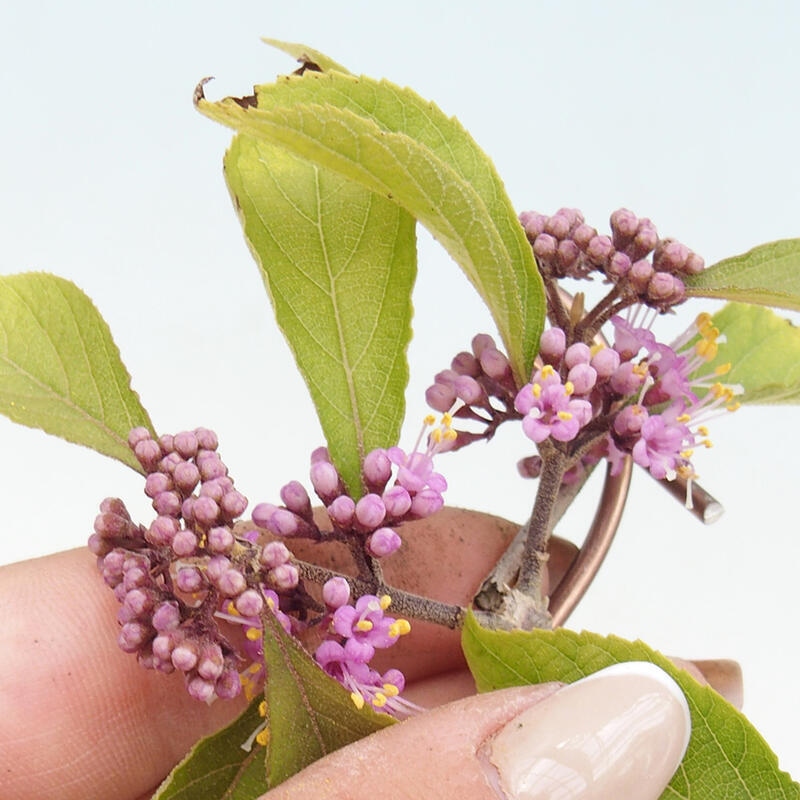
(530, 467)
(335, 593)
(185, 443)
(231, 583)
(206, 439)
(532, 223)
(377, 469)
(135, 576)
(469, 390)
(567, 254)
(233, 504)
(228, 685)
(205, 511)
(605, 361)
(211, 466)
(320, 454)
(426, 502)
(325, 480)
(148, 454)
(397, 501)
(342, 510)
(157, 482)
(629, 421)
(557, 226)
(189, 580)
(262, 513)
(132, 636)
(639, 275)
(111, 526)
(163, 646)
(166, 617)
(98, 546)
(184, 543)
(167, 504)
(480, 342)
(273, 554)
(466, 364)
(599, 250)
(578, 353)
(625, 380)
(552, 345)
(383, 542)
(217, 566)
(250, 603)
(137, 603)
(660, 287)
(112, 567)
(296, 499)
(494, 363)
(283, 522)
(618, 266)
(187, 509)
(583, 378)
(220, 540)
(216, 488)
(186, 476)
(184, 656)
(624, 225)
(285, 577)
(447, 377)
(200, 689)
(211, 662)
(166, 442)
(440, 397)
(583, 234)
(137, 435)
(169, 462)
(694, 264)
(545, 247)
(370, 511)
(645, 240)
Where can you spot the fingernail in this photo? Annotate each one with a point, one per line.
(620, 732)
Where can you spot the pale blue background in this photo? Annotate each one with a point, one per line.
(684, 112)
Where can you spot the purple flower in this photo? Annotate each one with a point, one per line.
(549, 409)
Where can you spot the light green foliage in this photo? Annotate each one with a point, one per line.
(218, 767)
(392, 142)
(727, 758)
(768, 275)
(309, 714)
(339, 264)
(60, 369)
(764, 352)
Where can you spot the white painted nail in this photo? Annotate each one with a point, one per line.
(619, 733)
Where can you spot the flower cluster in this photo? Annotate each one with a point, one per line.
(401, 486)
(193, 585)
(355, 632)
(644, 267)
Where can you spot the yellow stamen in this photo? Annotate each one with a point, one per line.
(379, 700)
(262, 737)
(363, 625)
(400, 627)
(253, 634)
(450, 435)
(262, 708)
(390, 690)
(702, 430)
(569, 387)
(536, 388)
(722, 369)
(564, 416)
(447, 419)
(548, 371)
(733, 406)
(683, 418)
(429, 420)
(357, 699)
(385, 601)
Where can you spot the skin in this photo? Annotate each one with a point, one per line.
(79, 719)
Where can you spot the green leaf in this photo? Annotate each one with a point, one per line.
(768, 275)
(60, 369)
(309, 714)
(726, 757)
(339, 263)
(219, 767)
(398, 145)
(764, 352)
(305, 54)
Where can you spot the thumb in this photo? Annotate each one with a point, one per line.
(621, 732)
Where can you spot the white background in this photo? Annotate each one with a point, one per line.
(684, 112)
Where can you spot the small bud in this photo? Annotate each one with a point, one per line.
(325, 480)
(440, 397)
(342, 510)
(296, 499)
(370, 511)
(397, 501)
(377, 469)
(273, 554)
(578, 353)
(335, 593)
(185, 444)
(383, 542)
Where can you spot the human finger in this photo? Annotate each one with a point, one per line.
(622, 732)
(78, 717)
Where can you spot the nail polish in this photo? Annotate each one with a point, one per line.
(618, 733)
